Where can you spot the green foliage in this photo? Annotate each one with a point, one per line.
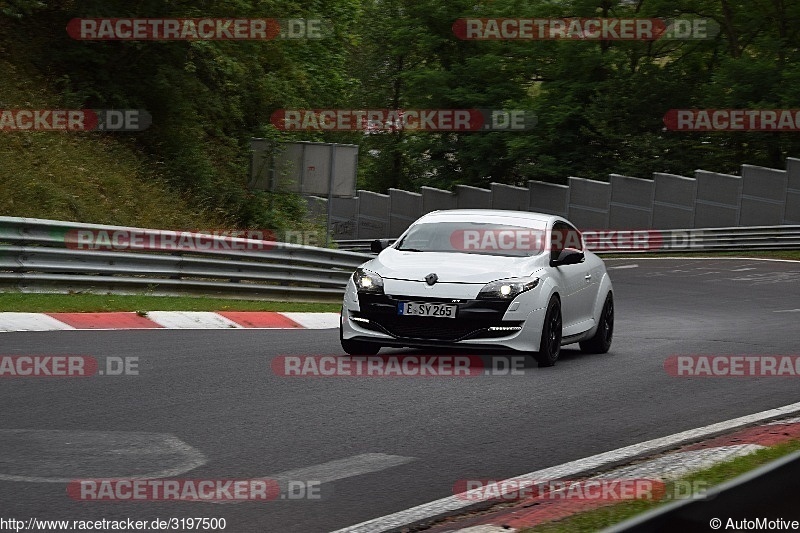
(600, 104)
(207, 98)
(19, 8)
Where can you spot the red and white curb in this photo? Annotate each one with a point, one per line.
(166, 320)
(530, 512)
(723, 441)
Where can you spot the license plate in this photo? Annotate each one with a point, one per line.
(427, 309)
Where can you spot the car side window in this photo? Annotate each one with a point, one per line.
(557, 239)
(564, 236)
(573, 238)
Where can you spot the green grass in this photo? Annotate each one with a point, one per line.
(87, 303)
(83, 177)
(613, 514)
(765, 254)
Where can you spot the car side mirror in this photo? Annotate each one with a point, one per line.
(567, 256)
(378, 245)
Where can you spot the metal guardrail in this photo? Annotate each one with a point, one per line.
(48, 256)
(610, 241)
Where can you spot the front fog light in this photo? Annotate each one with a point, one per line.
(507, 289)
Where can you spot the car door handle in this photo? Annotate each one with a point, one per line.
(588, 277)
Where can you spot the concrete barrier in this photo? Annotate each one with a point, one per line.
(718, 200)
(631, 202)
(792, 211)
(436, 199)
(344, 218)
(404, 208)
(509, 197)
(589, 203)
(373, 215)
(317, 208)
(760, 197)
(473, 197)
(674, 201)
(763, 196)
(550, 198)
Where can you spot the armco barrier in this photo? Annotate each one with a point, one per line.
(35, 257)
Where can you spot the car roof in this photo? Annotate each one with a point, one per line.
(489, 215)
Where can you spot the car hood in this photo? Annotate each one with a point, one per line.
(452, 267)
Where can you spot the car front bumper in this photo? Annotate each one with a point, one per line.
(479, 324)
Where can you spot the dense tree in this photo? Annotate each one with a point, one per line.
(600, 103)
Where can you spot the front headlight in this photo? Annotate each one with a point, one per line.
(507, 289)
(367, 282)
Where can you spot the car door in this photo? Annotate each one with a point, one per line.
(574, 280)
(587, 280)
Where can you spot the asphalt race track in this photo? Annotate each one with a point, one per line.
(397, 442)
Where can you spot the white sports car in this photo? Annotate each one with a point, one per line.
(483, 279)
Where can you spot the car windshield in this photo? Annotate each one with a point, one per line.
(484, 238)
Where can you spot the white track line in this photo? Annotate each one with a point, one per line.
(315, 320)
(30, 322)
(191, 320)
(93, 454)
(679, 464)
(356, 465)
(433, 509)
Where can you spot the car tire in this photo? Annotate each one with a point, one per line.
(601, 341)
(550, 345)
(356, 347)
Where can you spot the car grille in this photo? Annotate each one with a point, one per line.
(474, 317)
